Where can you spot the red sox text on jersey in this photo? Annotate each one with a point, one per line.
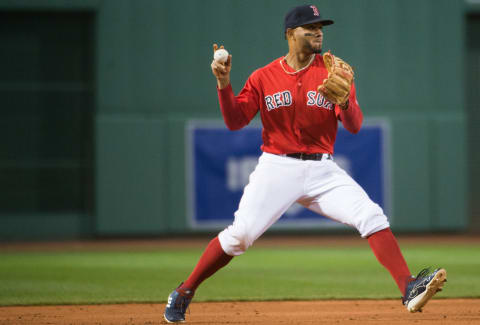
(284, 98)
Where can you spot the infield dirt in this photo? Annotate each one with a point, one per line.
(351, 312)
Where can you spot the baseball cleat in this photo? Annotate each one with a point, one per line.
(423, 287)
(177, 305)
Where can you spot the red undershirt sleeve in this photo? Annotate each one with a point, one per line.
(239, 110)
(352, 117)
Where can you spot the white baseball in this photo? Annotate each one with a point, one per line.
(220, 55)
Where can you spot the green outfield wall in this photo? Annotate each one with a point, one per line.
(152, 74)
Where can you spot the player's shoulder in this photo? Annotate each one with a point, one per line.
(268, 68)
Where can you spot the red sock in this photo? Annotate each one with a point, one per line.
(212, 260)
(385, 248)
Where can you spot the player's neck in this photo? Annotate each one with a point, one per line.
(298, 60)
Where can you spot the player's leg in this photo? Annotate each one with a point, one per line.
(345, 201)
(212, 259)
(385, 248)
(274, 185)
(339, 197)
(272, 188)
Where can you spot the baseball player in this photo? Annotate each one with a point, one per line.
(301, 97)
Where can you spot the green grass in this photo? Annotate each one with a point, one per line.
(260, 274)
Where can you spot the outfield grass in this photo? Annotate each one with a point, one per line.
(260, 274)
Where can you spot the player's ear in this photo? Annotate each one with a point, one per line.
(288, 33)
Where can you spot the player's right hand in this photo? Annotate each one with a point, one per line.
(221, 71)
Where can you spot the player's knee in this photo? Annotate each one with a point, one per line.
(371, 220)
(235, 239)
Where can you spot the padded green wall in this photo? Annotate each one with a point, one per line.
(154, 62)
(153, 75)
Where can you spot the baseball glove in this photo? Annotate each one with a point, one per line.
(336, 88)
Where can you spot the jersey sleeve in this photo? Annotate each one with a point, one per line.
(239, 110)
(352, 117)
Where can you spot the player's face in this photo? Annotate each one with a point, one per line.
(311, 37)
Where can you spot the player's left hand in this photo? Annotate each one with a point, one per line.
(336, 88)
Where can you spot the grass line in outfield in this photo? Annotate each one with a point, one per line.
(263, 273)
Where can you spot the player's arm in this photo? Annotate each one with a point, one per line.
(237, 111)
(350, 114)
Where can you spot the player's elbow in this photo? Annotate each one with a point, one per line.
(355, 129)
(354, 125)
(235, 124)
(233, 127)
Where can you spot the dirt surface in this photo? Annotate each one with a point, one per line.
(351, 312)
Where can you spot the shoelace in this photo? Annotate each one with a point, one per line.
(423, 273)
(419, 280)
(417, 283)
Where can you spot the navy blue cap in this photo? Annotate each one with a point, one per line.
(303, 15)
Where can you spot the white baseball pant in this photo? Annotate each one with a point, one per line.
(321, 186)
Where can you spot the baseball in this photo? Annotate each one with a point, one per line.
(220, 55)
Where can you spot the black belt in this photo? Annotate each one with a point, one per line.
(309, 156)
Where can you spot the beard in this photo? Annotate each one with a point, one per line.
(314, 49)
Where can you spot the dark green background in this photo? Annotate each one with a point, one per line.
(145, 71)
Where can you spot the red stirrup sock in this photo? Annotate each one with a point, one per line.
(212, 260)
(385, 248)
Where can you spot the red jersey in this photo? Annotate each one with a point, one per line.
(295, 117)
